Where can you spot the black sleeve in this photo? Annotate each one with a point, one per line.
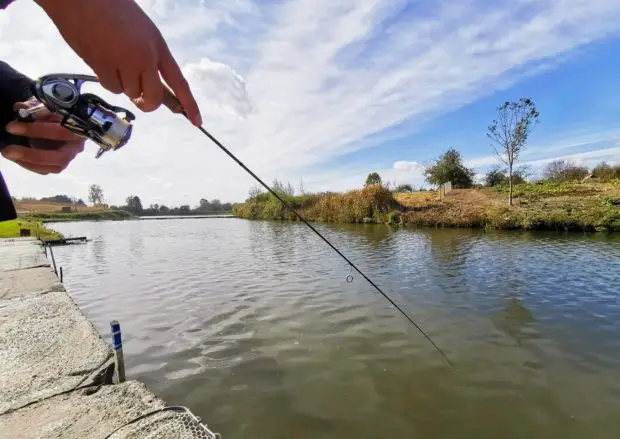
(5, 3)
(14, 87)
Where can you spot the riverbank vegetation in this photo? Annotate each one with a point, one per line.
(568, 197)
(371, 204)
(13, 228)
(105, 215)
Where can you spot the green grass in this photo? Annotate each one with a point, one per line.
(108, 215)
(11, 229)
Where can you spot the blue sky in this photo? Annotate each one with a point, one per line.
(577, 98)
(329, 91)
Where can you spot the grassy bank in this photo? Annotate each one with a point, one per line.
(11, 229)
(537, 206)
(107, 215)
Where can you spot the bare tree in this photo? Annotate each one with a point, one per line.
(564, 170)
(510, 131)
(302, 191)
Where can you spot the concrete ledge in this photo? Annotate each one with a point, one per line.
(48, 347)
(19, 254)
(38, 280)
(79, 415)
(54, 365)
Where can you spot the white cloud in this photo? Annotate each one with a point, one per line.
(409, 167)
(219, 87)
(293, 84)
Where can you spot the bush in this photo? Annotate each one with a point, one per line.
(564, 170)
(495, 176)
(373, 203)
(393, 218)
(605, 172)
(404, 188)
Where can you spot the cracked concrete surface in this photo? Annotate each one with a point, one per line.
(81, 414)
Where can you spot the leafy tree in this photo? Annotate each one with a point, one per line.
(80, 202)
(373, 178)
(511, 131)
(65, 199)
(450, 168)
(495, 176)
(185, 209)
(564, 170)
(216, 205)
(404, 188)
(134, 204)
(95, 194)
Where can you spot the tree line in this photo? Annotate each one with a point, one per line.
(60, 198)
(133, 204)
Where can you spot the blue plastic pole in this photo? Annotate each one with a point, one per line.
(117, 343)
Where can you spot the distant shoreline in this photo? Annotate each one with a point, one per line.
(109, 215)
(567, 206)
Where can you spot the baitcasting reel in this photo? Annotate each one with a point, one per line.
(84, 114)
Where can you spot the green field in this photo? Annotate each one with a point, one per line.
(11, 229)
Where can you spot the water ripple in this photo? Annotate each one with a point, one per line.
(253, 325)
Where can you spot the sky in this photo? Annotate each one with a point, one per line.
(323, 92)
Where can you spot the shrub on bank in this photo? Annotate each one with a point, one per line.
(373, 203)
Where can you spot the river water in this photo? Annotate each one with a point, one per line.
(253, 326)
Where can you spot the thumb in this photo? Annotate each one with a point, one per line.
(13, 152)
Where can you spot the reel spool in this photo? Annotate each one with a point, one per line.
(84, 114)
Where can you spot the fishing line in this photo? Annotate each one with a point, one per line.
(302, 219)
(88, 115)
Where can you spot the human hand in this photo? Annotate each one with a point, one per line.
(53, 147)
(124, 48)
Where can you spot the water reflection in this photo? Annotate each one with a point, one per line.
(513, 320)
(99, 254)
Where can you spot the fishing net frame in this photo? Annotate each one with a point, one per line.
(176, 422)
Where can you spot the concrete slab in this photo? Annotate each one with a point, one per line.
(46, 347)
(17, 241)
(34, 281)
(78, 415)
(21, 254)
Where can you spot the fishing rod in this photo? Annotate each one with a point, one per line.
(90, 116)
